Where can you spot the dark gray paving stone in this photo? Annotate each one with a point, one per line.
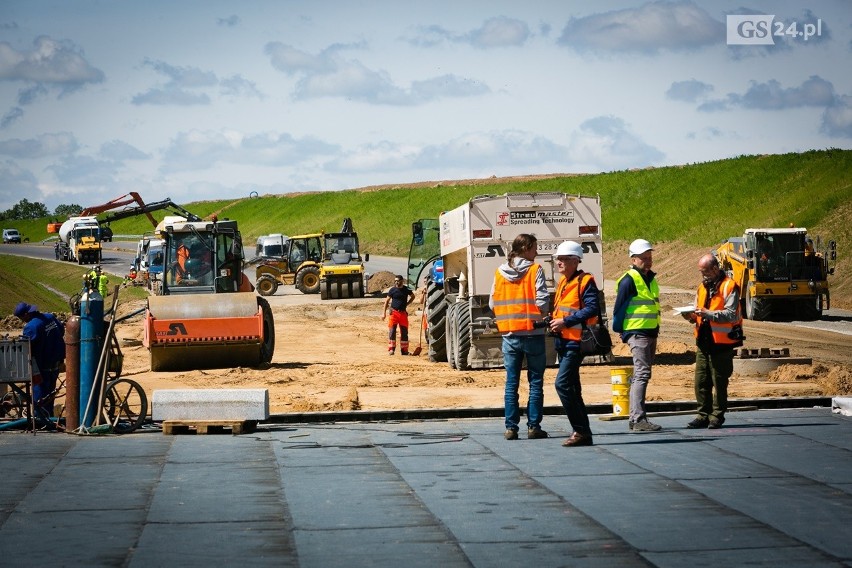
(200, 543)
(391, 547)
(70, 538)
(215, 478)
(593, 554)
(751, 557)
(812, 513)
(657, 514)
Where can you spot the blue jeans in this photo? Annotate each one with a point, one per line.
(515, 348)
(570, 391)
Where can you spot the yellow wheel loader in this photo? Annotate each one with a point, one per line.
(326, 263)
(781, 273)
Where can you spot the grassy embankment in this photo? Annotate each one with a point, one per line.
(694, 205)
(47, 284)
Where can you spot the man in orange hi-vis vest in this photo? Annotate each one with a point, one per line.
(575, 304)
(718, 329)
(519, 298)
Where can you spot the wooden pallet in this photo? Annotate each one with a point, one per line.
(235, 427)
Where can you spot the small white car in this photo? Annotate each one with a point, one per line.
(11, 236)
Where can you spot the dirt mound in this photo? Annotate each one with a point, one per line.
(380, 281)
(834, 379)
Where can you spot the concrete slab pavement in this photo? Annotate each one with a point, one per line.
(774, 487)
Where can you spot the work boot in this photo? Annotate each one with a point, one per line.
(698, 423)
(511, 434)
(536, 434)
(715, 423)
(578, 439)
(405, 352)
(645, 425)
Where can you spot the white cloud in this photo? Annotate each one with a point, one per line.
(118, 150)
(648, 29)
(495, 32)
(837, 118)
(606, 143)
(17, 183)
(688, 91)
(50, 61)
(55, 144)
(771, 95)
(331, 75)
(199, 150)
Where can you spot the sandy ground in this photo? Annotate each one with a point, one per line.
(331, 355)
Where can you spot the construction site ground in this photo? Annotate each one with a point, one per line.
(332, 356)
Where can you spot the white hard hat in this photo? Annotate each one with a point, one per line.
(639, 246)
(569, 248)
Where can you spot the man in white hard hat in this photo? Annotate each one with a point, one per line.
(575, 302)
(636, 317)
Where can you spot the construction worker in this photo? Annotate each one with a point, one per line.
(398, 298)
(636, 317)
(575, 304)
(718, 329)
(519, 299)
(100, 281)
(179, 267)
(47, 351)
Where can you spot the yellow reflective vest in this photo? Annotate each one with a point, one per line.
(643, 311)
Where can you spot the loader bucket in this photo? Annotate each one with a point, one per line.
(186, 332)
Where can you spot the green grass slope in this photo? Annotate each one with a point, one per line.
(697, 205)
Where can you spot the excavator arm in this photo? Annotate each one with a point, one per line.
(127, 199)
(146, 209)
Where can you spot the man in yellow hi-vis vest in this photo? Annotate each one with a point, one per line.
(519, 298)
(636, 316)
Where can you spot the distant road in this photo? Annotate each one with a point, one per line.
(118, 255)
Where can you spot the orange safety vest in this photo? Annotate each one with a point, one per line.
(569, 296)
(720, 330)
(514, 302)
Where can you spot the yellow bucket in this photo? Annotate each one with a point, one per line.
(621, 390)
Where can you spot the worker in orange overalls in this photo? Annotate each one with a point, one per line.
(179, 267)
(398, 298)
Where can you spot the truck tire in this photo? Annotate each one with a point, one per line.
(308, 280)
(267, 348)
(462, 336)
(808, 310)
(266, 285)
(757, 309)
(324, 289)
(450, 327)
(436, 322)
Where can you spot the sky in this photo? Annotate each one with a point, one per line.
(209, 99)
